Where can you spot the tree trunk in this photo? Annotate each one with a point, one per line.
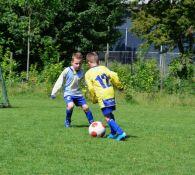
(190, 42)
(180, 44)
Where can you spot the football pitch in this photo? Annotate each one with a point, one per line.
(33, 140)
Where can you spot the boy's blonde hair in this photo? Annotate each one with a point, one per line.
(92, 57)
(77, 55)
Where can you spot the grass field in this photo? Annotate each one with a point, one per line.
(33, 140)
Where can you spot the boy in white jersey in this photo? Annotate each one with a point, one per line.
(100, 81)
(70, 79)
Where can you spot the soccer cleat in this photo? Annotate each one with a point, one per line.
(121, 136)
(90, 122)
(53, 96)
(67, 124)
(111, 136)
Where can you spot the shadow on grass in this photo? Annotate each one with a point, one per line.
(127, 138)
(79, 126)
(35, 106)
(131, 136)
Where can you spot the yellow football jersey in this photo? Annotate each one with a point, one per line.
(100, 81)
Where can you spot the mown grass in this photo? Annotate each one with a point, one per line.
(33, 140)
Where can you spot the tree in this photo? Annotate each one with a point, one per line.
(83, 25)
(57, 27)
(166, 22)
(15, 29)
(4, 102)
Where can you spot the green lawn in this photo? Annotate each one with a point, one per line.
(33, 140)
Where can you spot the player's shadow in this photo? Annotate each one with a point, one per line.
(80, 126)
(124, 140)
(131, 136)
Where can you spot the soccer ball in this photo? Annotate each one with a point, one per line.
(97, 129)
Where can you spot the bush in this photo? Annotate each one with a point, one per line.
(175, 85)
(8, 65)
(143, 78)
(45, 78)
(146, 76)
(181, 67)
(51, 72)
(180, 77)
(124, 73)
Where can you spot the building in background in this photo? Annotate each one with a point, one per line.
(128, 41)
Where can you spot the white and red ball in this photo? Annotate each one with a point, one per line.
(97, 129)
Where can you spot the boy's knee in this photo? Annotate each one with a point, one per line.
(70, 106)
(85, 108)
(109, 117)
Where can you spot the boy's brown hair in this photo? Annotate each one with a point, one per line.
(77, 55)
(92, 57)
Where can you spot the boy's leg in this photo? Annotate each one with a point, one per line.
(88, 113)
(119, 133)
(112, 116)
(69, 110)
(107, 112)
(114, 127)
(68, 117)
(112, 131)
(80, 101)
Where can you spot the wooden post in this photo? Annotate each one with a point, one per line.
(107, 50)
(28, 50)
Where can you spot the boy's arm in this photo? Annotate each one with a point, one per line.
(58, 83)
(115, 80)
(89, 84)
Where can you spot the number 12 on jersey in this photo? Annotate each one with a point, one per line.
(104, 80)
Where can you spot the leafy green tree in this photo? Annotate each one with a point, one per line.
(86, 25)
(165, 22)
(56, 28)
(19, 21)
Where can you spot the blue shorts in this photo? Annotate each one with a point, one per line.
(77, 100)
(107, 110)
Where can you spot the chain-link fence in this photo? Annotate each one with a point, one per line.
(128, 57)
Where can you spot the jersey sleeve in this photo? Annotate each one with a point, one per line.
(59, 82)
(90, 87)
(115, 80)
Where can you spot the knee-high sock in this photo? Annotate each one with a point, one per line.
(112, 116)
(68, 115)
(114, 126)
(89, 116)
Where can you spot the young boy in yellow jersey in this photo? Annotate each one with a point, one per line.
(100, 81)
